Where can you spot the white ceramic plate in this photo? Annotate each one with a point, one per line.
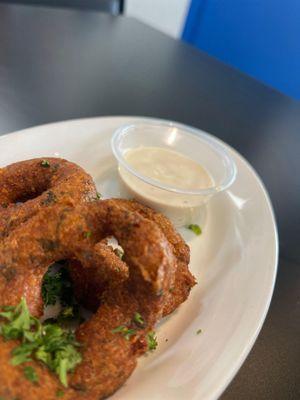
(234, 261)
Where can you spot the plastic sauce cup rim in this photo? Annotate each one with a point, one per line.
(211, 141)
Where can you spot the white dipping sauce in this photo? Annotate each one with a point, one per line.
(170, 168)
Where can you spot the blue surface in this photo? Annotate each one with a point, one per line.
(259, 37)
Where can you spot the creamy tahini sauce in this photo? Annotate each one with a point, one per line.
(169, 167)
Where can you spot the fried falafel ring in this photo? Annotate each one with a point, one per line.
(28, 186)
(136, 285)
(88, 285)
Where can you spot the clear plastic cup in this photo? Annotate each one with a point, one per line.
(182, 206)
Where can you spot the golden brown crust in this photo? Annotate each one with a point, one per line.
(52, 224)
(184, 280)
(59, 232)
(13, 385)
(28, 186)
(87, 282)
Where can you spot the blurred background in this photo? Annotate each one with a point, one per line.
(258, 37)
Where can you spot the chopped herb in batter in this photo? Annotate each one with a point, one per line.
(50, 199)
(98, 195)
(195, 228)
(125, 331)
(60, 393)
(138, 319)
(45, 164)
(87, 234)
(47, 244)
(199, 331)
(30, 374)
(152, 341)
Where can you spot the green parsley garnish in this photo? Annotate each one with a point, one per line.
(152, 341)
(19, 321)
(60, 393)
(119, 252)
(138, 319)
(22, 353)
(59, 351)
(48, 343)
(30, 374)
(125, 331)
(87, 234)
(57, 286)
(45, 164)
(199, 331)
(98, 195)
(68, 313)
(195, 228)
(51, 288)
